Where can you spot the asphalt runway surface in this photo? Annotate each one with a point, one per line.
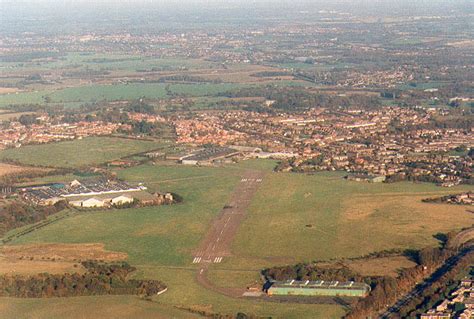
(216, 244)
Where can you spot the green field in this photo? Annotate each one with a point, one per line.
(111, 62)
(159, 240)
(88, 307)
(347, 218)
(296, 217)
(116, 92)
(78, 153)
(162, 235)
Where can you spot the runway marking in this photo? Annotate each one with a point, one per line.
(201, 271)
(196, 260)
(217, 259)
(259, 180)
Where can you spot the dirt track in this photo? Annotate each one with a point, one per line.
(216, 244)
(462, 238)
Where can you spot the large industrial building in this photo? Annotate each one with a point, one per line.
(94, 193)
(318, 288)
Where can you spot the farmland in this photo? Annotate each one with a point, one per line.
(115, 92)
(6, 169)
(77, 153)
(142, 72)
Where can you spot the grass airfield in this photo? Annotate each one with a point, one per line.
(347, 219)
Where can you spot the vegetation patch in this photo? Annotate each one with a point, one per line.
(77, 153)
(100, 279)
(348, 219)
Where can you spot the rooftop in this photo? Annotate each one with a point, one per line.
(320, 284)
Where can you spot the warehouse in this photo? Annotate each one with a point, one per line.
(318, 288)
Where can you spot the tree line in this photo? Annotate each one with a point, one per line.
(99, 279)
(385, 289)
(17, 214)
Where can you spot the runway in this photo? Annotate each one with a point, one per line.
(216, 244)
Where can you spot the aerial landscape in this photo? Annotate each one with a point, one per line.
(237, 159)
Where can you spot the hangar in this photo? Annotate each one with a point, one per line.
(318, 288)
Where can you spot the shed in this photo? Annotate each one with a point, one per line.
(88, 203)
(122, 199)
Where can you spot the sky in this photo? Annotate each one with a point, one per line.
(18, 13)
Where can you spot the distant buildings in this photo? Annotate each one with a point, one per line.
(208, 155)
(366, 178)
(462, 296)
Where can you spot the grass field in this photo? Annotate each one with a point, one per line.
(116, 92)
(297, 218)
(77, 153)
(159, 240)
(6, 169)
(347, 218)
(12, 116)
(162, 235)
(88, 307)
(110, 62)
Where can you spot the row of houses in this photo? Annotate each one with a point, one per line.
(459, 304)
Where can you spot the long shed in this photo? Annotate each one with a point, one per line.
(318, 288)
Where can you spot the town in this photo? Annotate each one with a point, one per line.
(394, 142)
(236, 159)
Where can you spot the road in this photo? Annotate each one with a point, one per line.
(420, 288)
(216, 245)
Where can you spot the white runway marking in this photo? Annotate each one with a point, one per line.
(196, 260)
(217, 259)
(201, 271)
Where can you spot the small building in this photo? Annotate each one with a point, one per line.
(366, 178)
(189, 162)
(318, 288)
(75, 183)
(206, 156)
(121, 200)
(436, 315)
(161, 198)
(469, 303)
(88, 203)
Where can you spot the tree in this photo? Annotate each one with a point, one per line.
(27, 119)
